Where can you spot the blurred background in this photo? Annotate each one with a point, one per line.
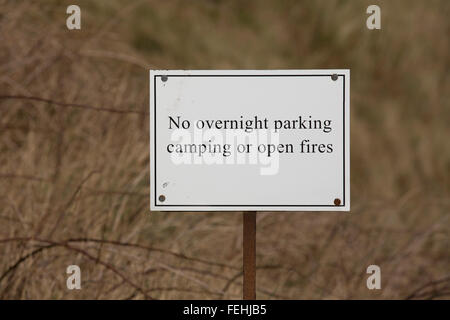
(74, 151)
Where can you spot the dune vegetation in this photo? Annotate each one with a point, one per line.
(74, 151)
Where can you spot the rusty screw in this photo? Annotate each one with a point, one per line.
(162, 198)
(337, 201)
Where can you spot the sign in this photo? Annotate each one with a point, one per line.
(246, 140)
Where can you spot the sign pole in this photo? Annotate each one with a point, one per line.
(249, 255)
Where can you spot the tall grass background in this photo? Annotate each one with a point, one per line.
(74, 155)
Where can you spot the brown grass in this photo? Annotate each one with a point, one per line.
(74, 151)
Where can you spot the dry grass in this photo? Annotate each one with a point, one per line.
(74, 151)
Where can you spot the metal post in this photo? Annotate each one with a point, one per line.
(249, 258)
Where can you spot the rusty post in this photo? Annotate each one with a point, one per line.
(249, 255)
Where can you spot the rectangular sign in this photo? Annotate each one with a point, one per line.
(250, 140)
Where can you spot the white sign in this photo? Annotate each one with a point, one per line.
(245, 140)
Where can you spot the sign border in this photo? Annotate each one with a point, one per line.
(167, 73)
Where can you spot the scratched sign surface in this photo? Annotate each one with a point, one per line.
(253, 140)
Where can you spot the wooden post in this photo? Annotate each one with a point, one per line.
(249, 258)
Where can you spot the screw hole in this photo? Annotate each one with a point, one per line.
(162, 198)
(337, 201)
